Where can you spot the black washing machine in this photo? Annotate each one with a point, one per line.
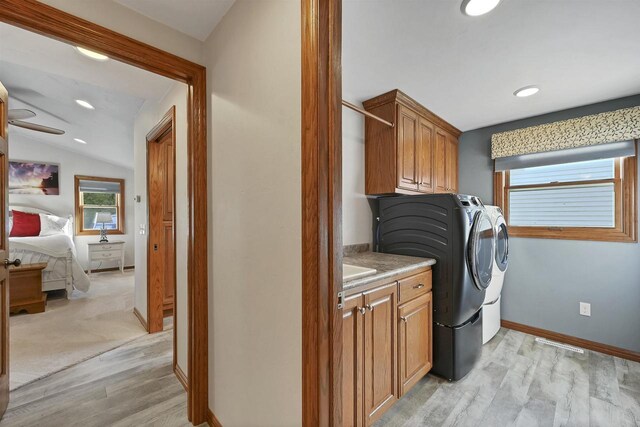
(456, 231)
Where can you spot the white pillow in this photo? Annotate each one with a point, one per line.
(51, 225)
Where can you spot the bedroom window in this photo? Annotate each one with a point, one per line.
(583, 200)
(96, 196)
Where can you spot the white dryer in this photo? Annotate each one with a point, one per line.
(491, 306)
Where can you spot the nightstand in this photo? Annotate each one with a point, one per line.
(109, 251)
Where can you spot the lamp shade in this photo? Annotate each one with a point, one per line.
(102, 217)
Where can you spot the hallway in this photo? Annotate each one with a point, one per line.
(132, 385)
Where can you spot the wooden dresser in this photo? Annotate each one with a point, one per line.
(25, 288)
(418, 155)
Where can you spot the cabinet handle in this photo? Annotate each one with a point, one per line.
(404, 319)
(420, 286)
(362, 310)
(369, 307)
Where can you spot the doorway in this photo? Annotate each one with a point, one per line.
(161, 247)
(48, 21)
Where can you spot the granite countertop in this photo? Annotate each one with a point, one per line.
(387, 265)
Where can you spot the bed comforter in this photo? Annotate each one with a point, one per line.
(56, 267)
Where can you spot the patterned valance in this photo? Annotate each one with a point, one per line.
(613, 126)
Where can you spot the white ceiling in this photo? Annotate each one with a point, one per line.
(196, 18)
(47, 76)
(466, 69)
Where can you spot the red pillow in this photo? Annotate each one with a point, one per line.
(25, 224)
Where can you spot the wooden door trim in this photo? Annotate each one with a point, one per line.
(48, 21)
(156, 322)
(4, 238)
(321, 212)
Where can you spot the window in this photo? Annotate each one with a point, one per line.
(99, 203)
(586, 200)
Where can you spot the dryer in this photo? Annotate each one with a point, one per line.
(491, 306)
(455, 230)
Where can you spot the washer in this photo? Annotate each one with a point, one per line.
(491, 305)
(456, 231)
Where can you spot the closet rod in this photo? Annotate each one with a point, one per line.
(366, 113)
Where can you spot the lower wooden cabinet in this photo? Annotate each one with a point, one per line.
(415, 353)
(386, 347)
(380, 351)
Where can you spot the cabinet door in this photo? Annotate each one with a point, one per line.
(452, 164)
(426, 138)
(380, 352)
(440, 161)
(415, 353)
(352, 358)
(407, 170)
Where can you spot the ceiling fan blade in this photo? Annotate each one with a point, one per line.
(36, 127)
(21, 114)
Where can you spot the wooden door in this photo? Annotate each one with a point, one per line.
(415, 353)
(352, 358)
(440, 162)
(407, 169)
(452, 164)
(380, 345)
(161, 249)
(426, 138)
(4, 251)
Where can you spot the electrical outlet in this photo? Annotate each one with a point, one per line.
(585, 309)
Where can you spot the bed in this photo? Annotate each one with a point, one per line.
(63, 270)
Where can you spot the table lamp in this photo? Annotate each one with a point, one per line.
(103, 217)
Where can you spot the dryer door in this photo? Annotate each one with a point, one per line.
(502, 244)
(481, 250)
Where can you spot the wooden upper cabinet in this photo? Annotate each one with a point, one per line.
(426, 143)
(408, 150)
(413, 157)
(452, 163)
(440, 162)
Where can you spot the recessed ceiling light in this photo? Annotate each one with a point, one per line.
(91, 54)
(85, 104)
(478, 7)
(80, 140)
(523, 92)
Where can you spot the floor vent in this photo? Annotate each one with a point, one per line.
(560, 345)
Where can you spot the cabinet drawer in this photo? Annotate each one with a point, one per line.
(106, 255)
(414, 286)
(107, 247)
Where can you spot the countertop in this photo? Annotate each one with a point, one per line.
(387, 265)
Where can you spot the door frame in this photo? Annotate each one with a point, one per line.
(155, 320)
(51, 22)
(321, 212)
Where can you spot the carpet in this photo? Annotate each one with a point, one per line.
(71, 331)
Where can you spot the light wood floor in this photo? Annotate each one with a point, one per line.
(519, 382)
(133, 385)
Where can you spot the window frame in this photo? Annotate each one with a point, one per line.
(79, 207)
(626, 207)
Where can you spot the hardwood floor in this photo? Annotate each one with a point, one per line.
(519, 382)
(133, 385)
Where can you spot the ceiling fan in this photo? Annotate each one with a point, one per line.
(16, 118)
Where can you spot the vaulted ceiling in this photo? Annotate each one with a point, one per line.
(47, 76)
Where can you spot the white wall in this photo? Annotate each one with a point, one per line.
(72, 163)
(118, 18)
(150, 114)
(253, 64)
(356, 211)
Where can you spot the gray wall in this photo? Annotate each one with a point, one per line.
(547, 279)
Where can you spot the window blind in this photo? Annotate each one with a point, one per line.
(575, 205)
